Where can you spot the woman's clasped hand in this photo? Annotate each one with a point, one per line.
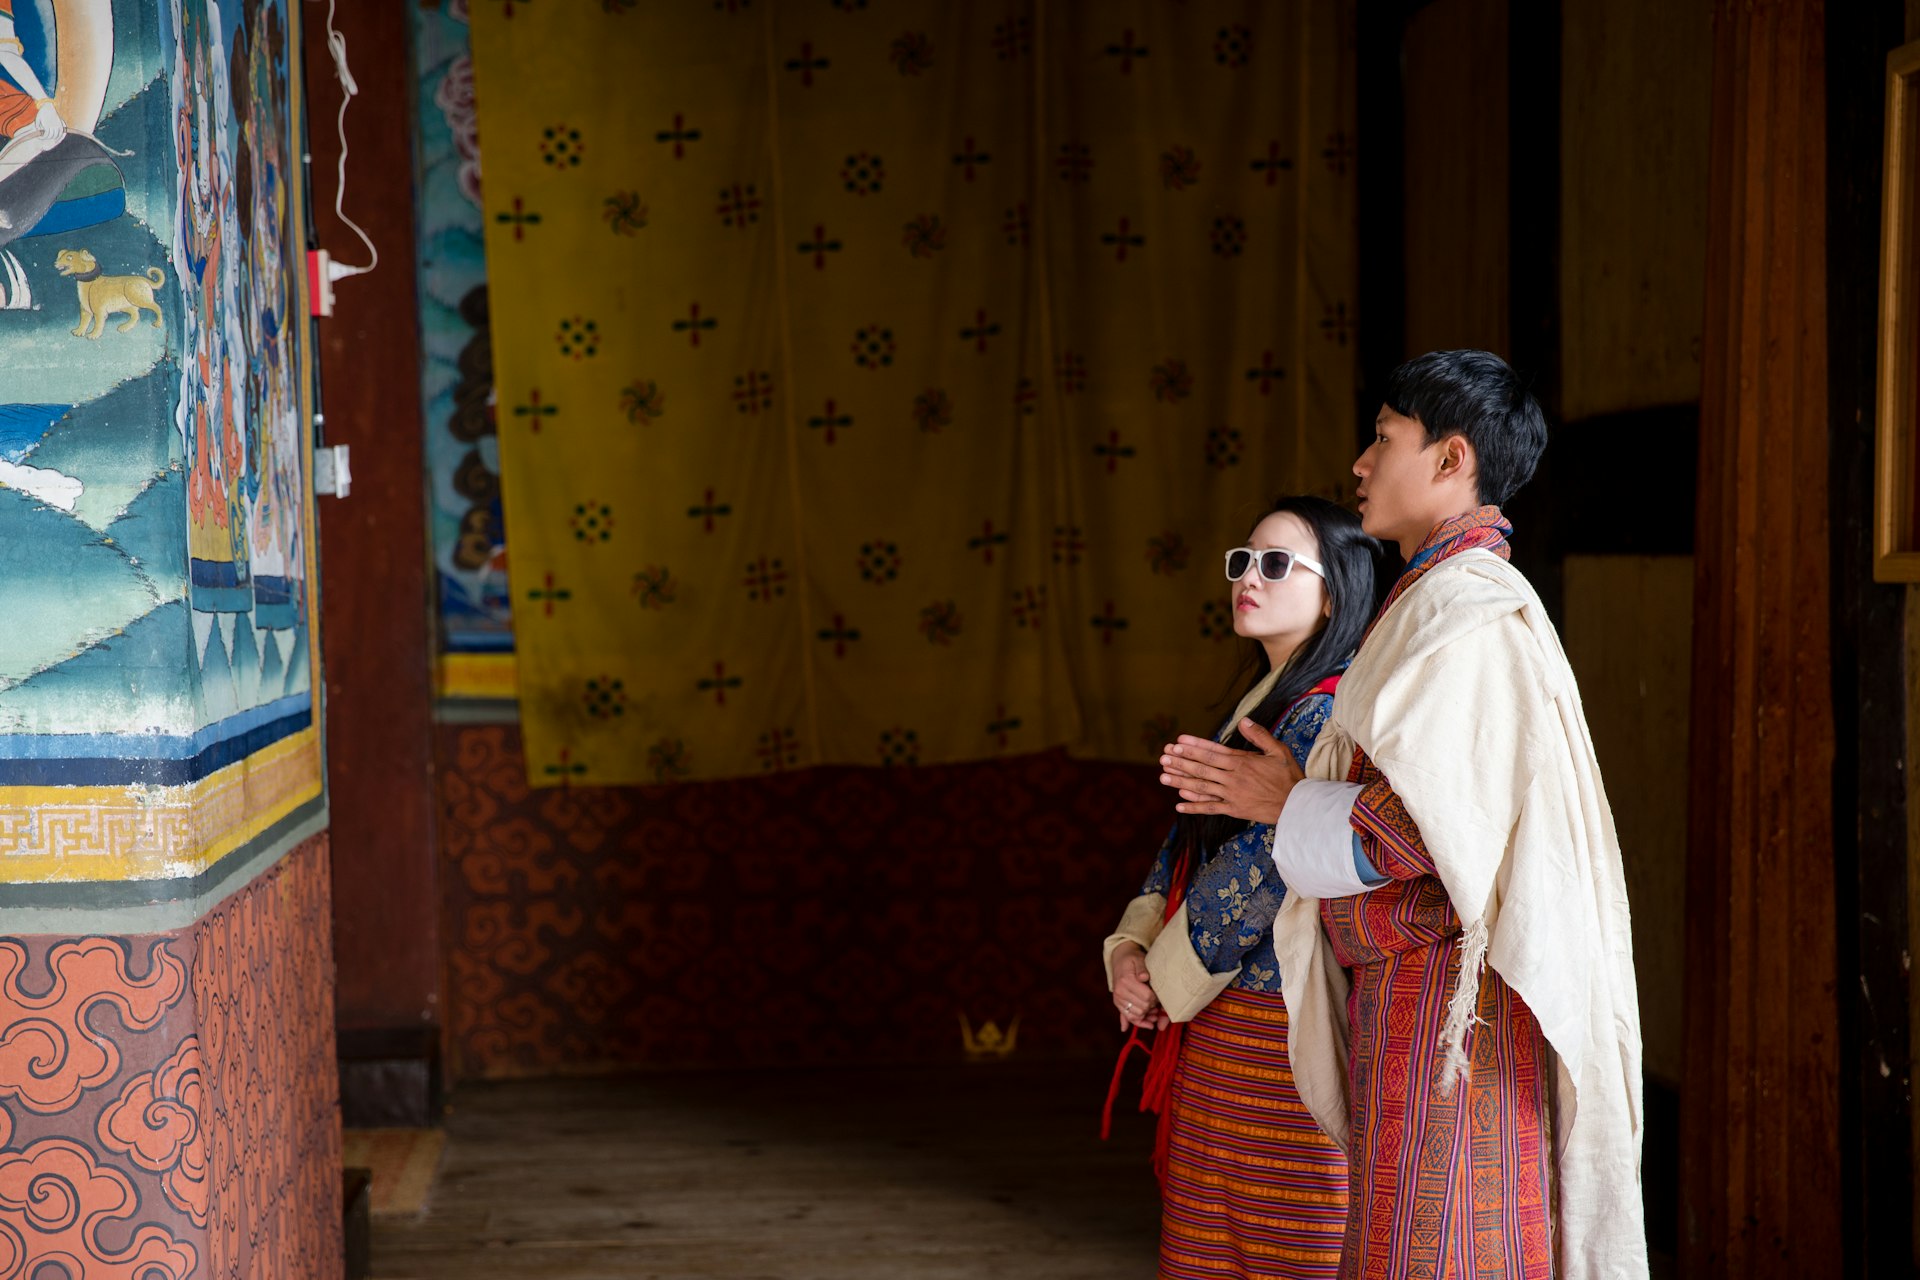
(1133, 990)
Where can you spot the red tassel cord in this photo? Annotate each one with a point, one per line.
(1163, 1054)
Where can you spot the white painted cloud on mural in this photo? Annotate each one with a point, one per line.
(50, 487)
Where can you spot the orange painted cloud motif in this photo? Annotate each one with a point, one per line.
(54, 1203)
(48, 1053)
(159, 1121)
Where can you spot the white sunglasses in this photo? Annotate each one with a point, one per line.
(1275, 563)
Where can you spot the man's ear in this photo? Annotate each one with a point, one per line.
(1457, 457)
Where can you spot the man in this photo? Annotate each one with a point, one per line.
(1455, 949)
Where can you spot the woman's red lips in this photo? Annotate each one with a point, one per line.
(1245, 602)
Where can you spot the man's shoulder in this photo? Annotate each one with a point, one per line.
(1480, 573)
(1486, 606)
(1471, 611)
(1460, 596)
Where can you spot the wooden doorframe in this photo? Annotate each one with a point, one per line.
(1872, 852)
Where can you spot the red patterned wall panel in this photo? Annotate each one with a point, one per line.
(168, 1106)
(831, 915)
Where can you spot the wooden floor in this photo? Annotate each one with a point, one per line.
(987, 1171)
(909, 1174)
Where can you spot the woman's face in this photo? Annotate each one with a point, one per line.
(1281, 615)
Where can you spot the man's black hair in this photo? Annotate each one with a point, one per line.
(1474, 394)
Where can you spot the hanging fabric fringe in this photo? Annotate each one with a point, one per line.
(1461, 1015)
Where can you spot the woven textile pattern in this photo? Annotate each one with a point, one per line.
(832, 916)
(1444, 1182)
(1254, 1189)
(876, 384)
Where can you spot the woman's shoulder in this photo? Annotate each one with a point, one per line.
(1313, 708)
(1315, 704)
(1303, 722)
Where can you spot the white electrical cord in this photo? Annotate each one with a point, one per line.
(337, 46)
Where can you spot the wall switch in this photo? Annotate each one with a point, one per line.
(331, 473)
(320, 281)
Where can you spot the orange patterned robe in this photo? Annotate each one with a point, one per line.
(1440, 1188)
(17, 107)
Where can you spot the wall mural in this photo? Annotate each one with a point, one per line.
(469, 536)
(167, 1094)
(155, 506)
(90, 333)
(152, 415)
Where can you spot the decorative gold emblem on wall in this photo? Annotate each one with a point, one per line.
(989, 1042)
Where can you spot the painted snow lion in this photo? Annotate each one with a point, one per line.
(103, 296)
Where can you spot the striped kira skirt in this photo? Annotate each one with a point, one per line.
(1253, 1188)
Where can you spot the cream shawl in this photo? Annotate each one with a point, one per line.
(1463, 697)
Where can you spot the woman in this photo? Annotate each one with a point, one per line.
(1250, 1186)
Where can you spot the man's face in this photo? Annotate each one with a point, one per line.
(1397, 474)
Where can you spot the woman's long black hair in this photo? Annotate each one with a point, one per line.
(1349, 556)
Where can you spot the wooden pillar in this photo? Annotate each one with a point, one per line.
(375, 590)
(1760, 1129)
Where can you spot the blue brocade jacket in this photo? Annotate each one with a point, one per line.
(1233, 896)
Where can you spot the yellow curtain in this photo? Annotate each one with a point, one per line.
(880, 382)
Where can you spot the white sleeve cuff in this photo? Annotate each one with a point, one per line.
(1140, 925)
(1313, 840)
(1181, 983)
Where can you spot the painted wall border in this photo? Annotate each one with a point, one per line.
(66, 834)
(150, 906)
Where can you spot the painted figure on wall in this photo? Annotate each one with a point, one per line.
(55, 62)
(215, 423)
(88, 315)
(239, 391)
(468, 528)
(259, 101)
(55, 177)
